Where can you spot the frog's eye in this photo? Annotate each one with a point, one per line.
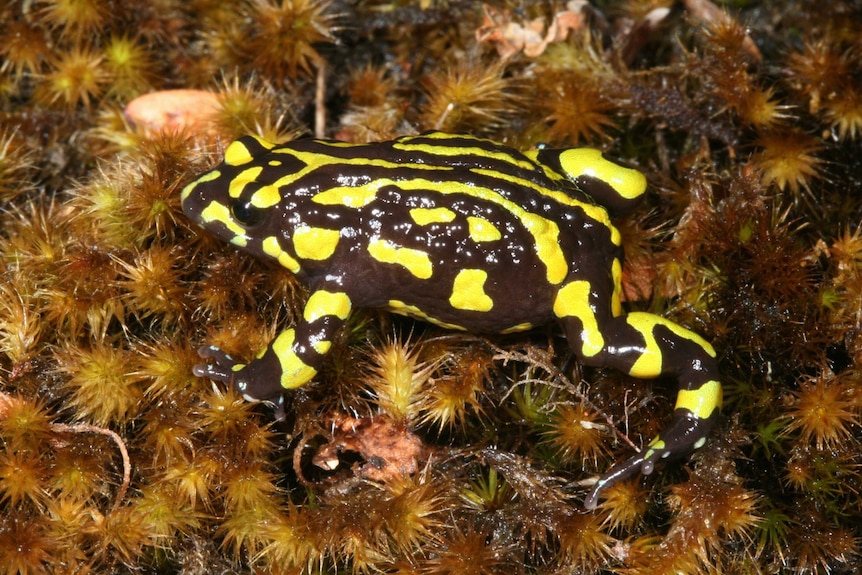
(247, 214)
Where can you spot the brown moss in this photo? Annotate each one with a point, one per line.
(748, 234)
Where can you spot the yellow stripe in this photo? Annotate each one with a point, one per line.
(238, 183)
(626, 182)
(350, 196)
(594, 212)
(516, 328)
(468, 291)
(294, 372)
(216, 212)
(573, 300)
(266, 197)
(316, 160)
(702, 402)
(416, 262)
(208, 177)
(272, 248)
(315, 243)
(616, 296)
(402, 308)
(462, 151)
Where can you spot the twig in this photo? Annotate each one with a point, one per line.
(127, 465)
(320, 100)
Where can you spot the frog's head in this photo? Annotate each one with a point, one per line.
(233, 200)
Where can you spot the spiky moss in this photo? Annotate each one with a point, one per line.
(751, 237)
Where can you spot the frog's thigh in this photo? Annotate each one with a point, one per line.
(682, 352)
(653, 359)
(573, 303)
(648, 346)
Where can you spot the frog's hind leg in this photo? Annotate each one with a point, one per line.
(647, 346)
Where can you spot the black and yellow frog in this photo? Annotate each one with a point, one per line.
(455, 230)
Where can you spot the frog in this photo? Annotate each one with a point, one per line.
(458, 231)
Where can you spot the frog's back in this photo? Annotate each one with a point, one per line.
(443, 227)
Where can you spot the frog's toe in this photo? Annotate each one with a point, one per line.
(221, 369)
(619, 472)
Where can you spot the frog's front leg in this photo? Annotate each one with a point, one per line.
(293, 357)
(647, 346)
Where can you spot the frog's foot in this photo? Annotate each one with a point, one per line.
(685, 433)
(225, 369)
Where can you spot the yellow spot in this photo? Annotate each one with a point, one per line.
(617, 275)
(321, 347)
(266, 197)
(272, 248)
(402, 308)
(573, 300)
(322, 303)
(545, 232)
(425, 216)
(238, 183)
(481, 230)
(237, 154)
(516, 328)
(416, 262)
(702, 402)
(208, 177)
(649, 364)
(352, 197)
(468, 291)
(656, 444)
(274, 163)
(315, 243)
(626, 182)
(294, 372)
(216, 212)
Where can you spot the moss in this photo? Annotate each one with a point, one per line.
(747, 127)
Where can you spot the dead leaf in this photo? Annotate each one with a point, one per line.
(390, 450)
(510, 38)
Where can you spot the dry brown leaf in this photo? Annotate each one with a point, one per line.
(390, 450)
(509, 37)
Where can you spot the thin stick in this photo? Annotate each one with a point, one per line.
(320, 101)
(127, 464)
